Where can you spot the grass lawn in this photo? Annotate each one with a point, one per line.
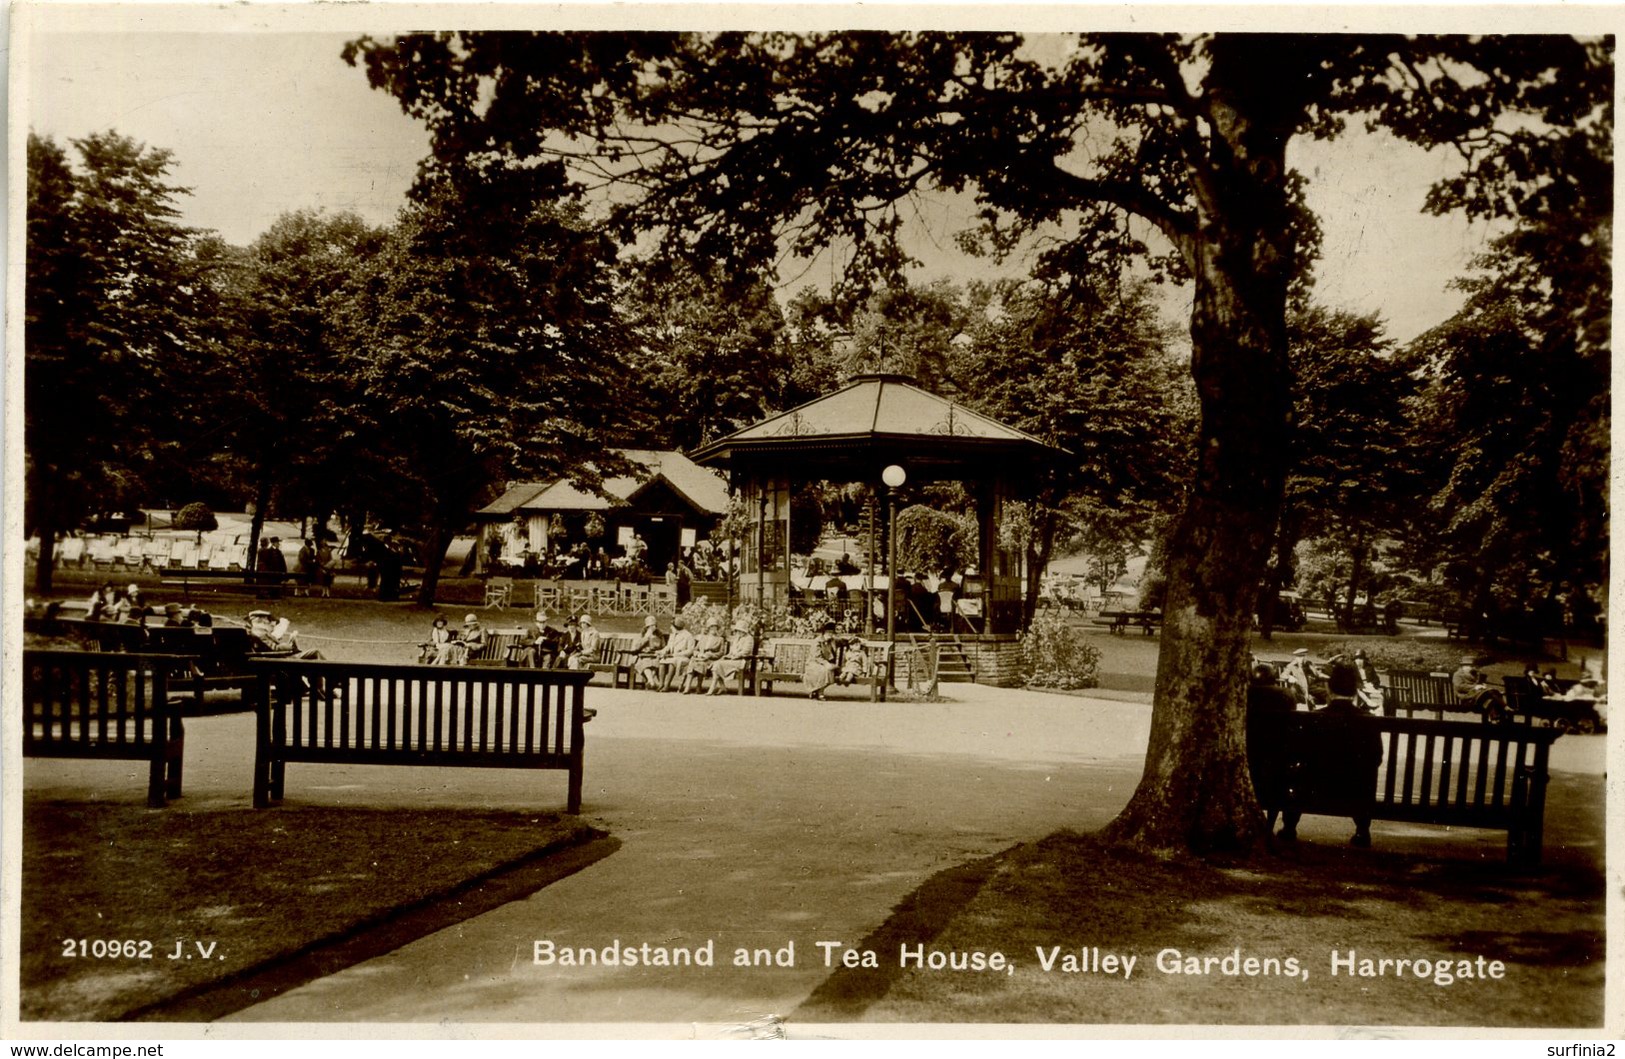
(255, 901)
(1067, 895)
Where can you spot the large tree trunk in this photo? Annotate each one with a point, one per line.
(46, 564)
(434, 556)
(1196, 793)
(1039, 550)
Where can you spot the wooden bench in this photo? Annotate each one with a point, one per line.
(1450, 773)
(786, 660)
(1120, 621)
(782, 661)
(98, 635)
(1413, 690)
(368, 714)
(502, 647)
(93, 704)
(617, 654)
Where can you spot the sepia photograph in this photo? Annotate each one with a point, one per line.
(812, 523)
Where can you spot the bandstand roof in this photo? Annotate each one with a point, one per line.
(878, 419)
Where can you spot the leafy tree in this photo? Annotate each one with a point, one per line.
(1353, 478)
(280, 356)
(484, 345)
(709, 351)
(107, 309)
(1084, 367)
(734, 145)
(931, 541)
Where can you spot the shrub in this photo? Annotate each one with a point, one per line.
(196, 516)
(1386, 653)
(1057, 655)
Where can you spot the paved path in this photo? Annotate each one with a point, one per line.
(753, 824)
(746, 823)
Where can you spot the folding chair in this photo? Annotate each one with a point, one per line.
(498, 592)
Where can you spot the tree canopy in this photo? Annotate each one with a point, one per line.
(733, 145)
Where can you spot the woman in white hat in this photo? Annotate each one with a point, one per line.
(741, 649)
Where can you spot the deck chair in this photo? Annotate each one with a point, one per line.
(498, 592)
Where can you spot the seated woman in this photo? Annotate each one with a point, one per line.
(823, 664)
(442, 645)
(741, 648)
(671, 660)
(470, 640)
(708, 647)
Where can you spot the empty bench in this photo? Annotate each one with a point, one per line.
(1451, 773)
(111, 706)
(369, 714)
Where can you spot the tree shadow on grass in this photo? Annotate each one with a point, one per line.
(1301, 903)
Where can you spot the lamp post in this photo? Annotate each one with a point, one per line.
(893, 476)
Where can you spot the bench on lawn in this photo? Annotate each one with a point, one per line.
(1120, 621)
(369, 714)
(1413, 690)
(256, 582)
(1451, 773)
(93, 704)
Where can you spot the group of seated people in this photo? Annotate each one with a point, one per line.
(267, 633)
(687, 660)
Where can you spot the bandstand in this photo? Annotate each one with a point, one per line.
(885, 431)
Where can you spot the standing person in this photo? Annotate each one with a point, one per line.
(276, 564)
(324, 568)
(685, 584)
(304, 565)
(389, 571)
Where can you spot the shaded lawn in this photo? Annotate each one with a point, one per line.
(238, 889)
(1070, 891)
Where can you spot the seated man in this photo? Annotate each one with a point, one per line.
(1473, 691)
(1336, 770)
(1268, 759)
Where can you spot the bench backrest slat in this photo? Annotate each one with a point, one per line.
(420, 709)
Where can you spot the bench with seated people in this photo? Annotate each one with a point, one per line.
(1339, 761)
(856, 662)
(367, 714)
(1413, 691)
(93, 704)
